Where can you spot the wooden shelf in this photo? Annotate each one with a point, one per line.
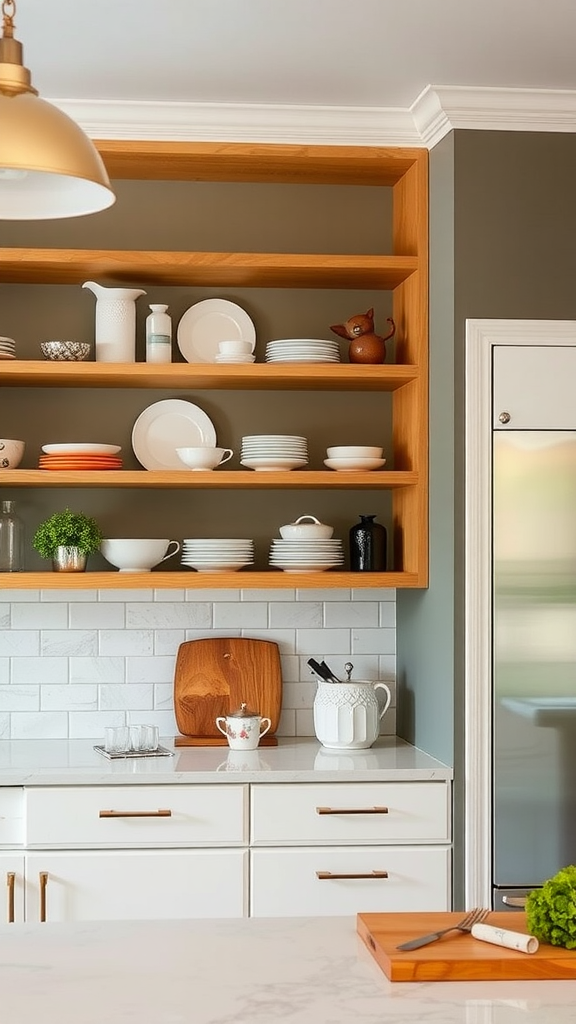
(213, 580)
(404, 273)
(207, 376)
(217, 479)
(203, 269)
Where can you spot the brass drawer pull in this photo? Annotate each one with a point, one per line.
(43, 879)
(370, 874)
(351, 810)
(161, 813)
(10, 882)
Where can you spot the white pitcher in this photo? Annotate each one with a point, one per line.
(115, 333)
(347, 715)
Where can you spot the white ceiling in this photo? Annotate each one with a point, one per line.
(376, 55)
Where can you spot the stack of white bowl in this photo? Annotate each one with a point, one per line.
(211, 554)
(306, 547)
(306, 555)
(302, 350)
(274, 452)
(7, 348)
(354, 458)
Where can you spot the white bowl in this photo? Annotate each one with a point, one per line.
(354, 465)
(11, 453)
(235, 347)
(301, 530)
(354, 451)
(136, 554)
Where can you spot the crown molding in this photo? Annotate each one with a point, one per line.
(436, 111)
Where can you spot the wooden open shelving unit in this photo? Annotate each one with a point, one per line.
(404, 272)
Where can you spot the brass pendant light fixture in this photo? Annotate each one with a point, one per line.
(48, 167)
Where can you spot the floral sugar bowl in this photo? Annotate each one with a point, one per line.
(243, 728)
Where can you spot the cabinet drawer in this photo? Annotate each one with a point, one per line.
(416, 879)
(118, 816)
(369, 812)
(135, 885)
(11, 816)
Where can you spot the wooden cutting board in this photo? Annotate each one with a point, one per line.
(214, 676)
(458, 957)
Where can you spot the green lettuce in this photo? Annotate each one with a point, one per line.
(551, 910)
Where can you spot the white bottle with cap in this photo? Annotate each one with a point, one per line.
(158, 335)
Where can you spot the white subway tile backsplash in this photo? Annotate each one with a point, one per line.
(99, 669)
(69, 698)
(364, 614)
(306, 615)
(115, 663)
(40, 670)
(96, 615)
(126, 641)
(159, 615)
(40, 616)
(19, 642)
(240, 616)
(69, 642)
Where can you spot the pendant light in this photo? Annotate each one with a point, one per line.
(48, 167)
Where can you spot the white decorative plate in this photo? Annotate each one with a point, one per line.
(79, 447)
(209, 322)
(165, 426)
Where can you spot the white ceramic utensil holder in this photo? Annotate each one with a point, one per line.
(115, 331)
(348, 715)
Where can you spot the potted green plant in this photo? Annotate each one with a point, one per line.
(67, 538)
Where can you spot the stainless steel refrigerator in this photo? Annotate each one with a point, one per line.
(534, 623)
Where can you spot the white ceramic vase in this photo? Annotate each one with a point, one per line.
(348, 715)
(115, 331)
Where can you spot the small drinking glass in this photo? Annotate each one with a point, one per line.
(149, 737)
(116, 739)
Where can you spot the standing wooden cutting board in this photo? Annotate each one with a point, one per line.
(215, 676)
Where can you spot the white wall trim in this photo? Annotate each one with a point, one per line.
(481, 337)
(434, 113)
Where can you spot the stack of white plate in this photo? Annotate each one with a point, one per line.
(212, 554)
(7, 348)
(274, 452)
(306, 555)
(302, 350)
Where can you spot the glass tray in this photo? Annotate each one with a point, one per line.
(160, 752)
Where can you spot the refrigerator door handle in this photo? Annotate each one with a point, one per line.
(514, 901)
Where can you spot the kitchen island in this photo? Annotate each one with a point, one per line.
(294, 971)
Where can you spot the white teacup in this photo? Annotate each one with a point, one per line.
(235, 347)
(136, 555)
(204, 458)
(11, 453)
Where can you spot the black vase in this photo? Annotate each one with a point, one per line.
(368, 546)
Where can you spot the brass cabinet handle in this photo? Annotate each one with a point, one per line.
(351, 810)
(369, 874)
(514, 901)
(43, 879)
(10, 882)
(161, 813)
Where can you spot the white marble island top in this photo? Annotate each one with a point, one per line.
(257, 971)
(75, 762)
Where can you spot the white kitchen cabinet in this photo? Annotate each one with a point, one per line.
(339, 848)
(116, 885)
(12, 875)
(339, 880)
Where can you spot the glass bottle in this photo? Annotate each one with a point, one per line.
(368, 546)
(158, 335)
(11, 539)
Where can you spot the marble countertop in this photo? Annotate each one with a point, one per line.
(75, 762)
(256, 971)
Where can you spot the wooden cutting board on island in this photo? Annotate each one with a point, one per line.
(458, 956)
(214, 676)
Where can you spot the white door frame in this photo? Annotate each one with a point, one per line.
(481, 337)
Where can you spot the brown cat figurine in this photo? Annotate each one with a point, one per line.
(365, 346)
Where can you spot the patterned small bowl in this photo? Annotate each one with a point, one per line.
(70, 350)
